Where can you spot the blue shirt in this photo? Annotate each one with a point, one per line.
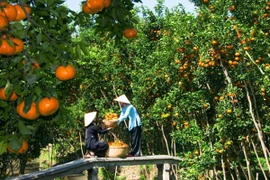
(131, 113)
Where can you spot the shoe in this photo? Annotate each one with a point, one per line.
(130, 155)
(89, 155)
(92, 153)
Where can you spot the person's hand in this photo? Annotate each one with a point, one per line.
(109, 128)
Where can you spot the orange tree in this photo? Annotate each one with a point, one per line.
(38, 69)
(205, 81)
(33, 45)
(199, 82)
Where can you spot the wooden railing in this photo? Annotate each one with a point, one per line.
(163, 163)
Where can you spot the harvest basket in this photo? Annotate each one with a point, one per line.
(117, 151)
(110, 123)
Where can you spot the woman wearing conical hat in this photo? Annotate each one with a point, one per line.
(92, 144)
(128, 111)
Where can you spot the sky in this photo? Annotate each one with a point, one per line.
(189, 7)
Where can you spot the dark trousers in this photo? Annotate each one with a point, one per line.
(136, 140)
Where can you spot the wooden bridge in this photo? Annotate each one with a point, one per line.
(163, 163)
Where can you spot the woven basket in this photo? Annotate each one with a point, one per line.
(110, 123)
(117, 151)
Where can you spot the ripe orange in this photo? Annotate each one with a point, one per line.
(6, 48)
(3, 96)
(34, 64)
(8, 10)
(19, 45)
(205, 105)
(95, 5)
(87, 10)
(228, 111)
(3, 23)
(64, 73)
(22, 150)
(107, 3)
(130, 33)
(32, 114)
(237, 54)
(214, 42)
(20, 12)
(220, 116)
(48, 106)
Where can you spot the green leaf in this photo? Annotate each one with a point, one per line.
(55, 13)
(38, 90)
(27, 104)
(3, 104)
(23, 129)
(83, 48)
(31, 127)
(15, 143)
(3, 147)
(31, 79)
(50, 2)
(78, 51)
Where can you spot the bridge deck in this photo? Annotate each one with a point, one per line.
(162, 161)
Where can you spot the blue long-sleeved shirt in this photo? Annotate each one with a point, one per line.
(131, 113)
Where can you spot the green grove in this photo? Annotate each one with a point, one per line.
(199, 81)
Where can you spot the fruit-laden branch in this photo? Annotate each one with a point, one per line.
(257, 156)
(260, 134)
(165, 139)
(251, 59)
(243, 145)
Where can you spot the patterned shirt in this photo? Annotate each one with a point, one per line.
(131, 113)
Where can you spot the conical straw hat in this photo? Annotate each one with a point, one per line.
(123, 99)
(89, 117)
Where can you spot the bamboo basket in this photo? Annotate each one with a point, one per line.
(117, 151)
(110, 123)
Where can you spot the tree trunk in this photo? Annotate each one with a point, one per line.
(23, 161)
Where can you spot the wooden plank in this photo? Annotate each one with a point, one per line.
(80, 165)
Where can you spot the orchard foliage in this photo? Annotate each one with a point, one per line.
(38, 62)
(199, 81)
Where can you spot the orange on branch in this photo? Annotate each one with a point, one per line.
(3, 95)
(87, 10)
(8, 10)
(32, 113)
(130, 33)
(34, 64)
(107, 3)
(64, 73)
(22, 149)
(6, 48)
(95, 5)
(19, 45)
(48, 106)
(3, 23)
(21, 15)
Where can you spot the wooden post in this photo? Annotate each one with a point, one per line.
(164, 171)
(160, 171)
(93, 173)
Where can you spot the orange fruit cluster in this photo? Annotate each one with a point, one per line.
(95, 6)
(45, 107)
(8, 13)
(117, 143)
(111, 116)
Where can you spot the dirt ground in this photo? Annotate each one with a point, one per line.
(137, 172)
